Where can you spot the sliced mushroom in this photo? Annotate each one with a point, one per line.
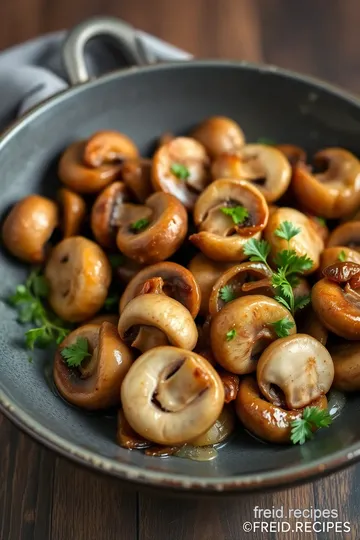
(95, 384)
(79, 275)
(220, 135)
(106, 213)
(294, 154)
(73, 211)
(346, 358)
(171, 395)
(265, 420)
(106, 147)
(267, 166)
(28, 227)
(136, 175)
(219, 431)
(307, 242)
(338, 307)
(176, 282)
(180, 168)
(243, 329)
(240, 280)
(294, 371)
(206, 273)
(164, 231)
(334, 192)
(220, 237)
(333, 255)
(76, 175)
(151, 320)
(347, 234)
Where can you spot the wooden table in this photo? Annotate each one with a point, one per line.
(45, 497)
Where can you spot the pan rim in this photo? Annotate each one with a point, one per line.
(183, 483)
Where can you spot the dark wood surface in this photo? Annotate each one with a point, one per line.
(43, 496)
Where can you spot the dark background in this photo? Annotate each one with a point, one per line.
(45, 497)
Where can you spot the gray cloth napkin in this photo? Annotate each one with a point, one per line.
(32, 72)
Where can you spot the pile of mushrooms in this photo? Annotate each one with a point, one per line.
(189, 351)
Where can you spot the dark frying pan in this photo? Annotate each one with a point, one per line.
(145, 101)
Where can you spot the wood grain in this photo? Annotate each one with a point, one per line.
(45, 497)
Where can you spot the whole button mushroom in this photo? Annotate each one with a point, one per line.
(336, 299)
(347, 234)
(106, 212)
(96, 382)
(136, 175)
(242, 330)
(294, 154)
(206, 273)
(228, 213)
(180, 168)
(151, 320)
(220, 135)
(170, 395)
(332, 255)
(334, 192)
(29, 226)
(157, 231)
(346, 358)
(176, 282)
(307, 242)
(79, 275)
(265, 420)
(89, 166)
(240, 280)
(294, 371)
(73, 211)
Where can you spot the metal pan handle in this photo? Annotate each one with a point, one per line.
(123, 34)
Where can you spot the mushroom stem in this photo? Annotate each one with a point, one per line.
(149, 337)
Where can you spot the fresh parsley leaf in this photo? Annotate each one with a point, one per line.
(38, 337)
(282, 327)
(237, 213)
(180, 171)
(287, 230)
(312, 418)
(76, 353)
(227, 293)
(301, 302)
(111, 302)
(299, 265)
(257, 250)
(342, 256)
(230, 334)
(266, 140)
(40, 286)
(139, 225)
(116, 260)
(283, 302)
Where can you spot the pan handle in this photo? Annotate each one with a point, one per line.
(123, 34)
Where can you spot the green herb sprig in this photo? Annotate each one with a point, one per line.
(77, 352)
(237, 213)
(180, 171)
(227, 294)
(302, 429)
(139, 225)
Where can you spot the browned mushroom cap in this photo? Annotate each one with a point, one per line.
(223, 427)
(307, 242)
(227, 166)
(164, 230)
(220, 237)
(105, 317)
(220, 135)
(79, 275)
(106, 213)
(346, 358)
(242, 330)
(106, 147)
(73, 211)
(150, 320)
(333, 255)
(180, 168)
(29, 226)
(294, 154)
(294, 371)
(333, 193)
(268, 166)
(177, 282)
(171, 396)
(240, 280)
(267, 421)
(320, 226)
(206, 272)
(337, 307)
(136, 175)
(347, 234)
(78, 176)
(311, 325)
(95, 384)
